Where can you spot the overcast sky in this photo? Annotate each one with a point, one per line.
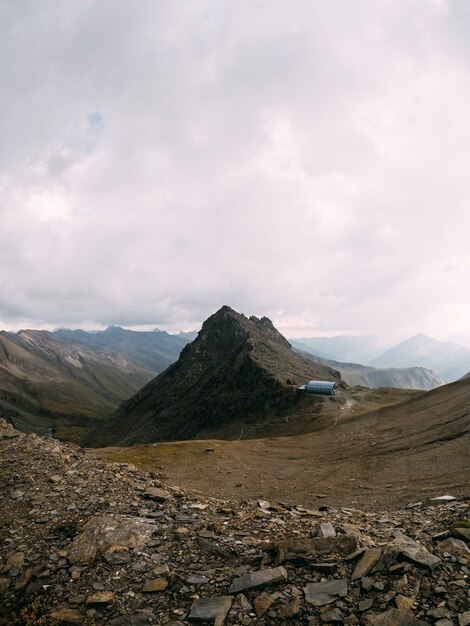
(304, 160)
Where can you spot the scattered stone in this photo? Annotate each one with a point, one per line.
(332, 617)
(366, 563)
(154, 493)
(290, 609)
(210, 609)
(404, 603)
(117, 555)
(324, 530)
(464, 619)
(67, 615)
(320, 594)
(365, 605)
(157, 584)
(456, 547)
(262, 603)
(412, 551)
(461, 533)
(101, 597)
(261, 578)
(14, 564)
(394, 617)
(196, 579)
(101, 533)
(136, 619)
(443, 499)
(95, 533)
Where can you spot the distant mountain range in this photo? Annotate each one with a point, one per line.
(46, 382)
(237, 369)
(449, 361)
(366, 376)
(344, 348)
(154, 350)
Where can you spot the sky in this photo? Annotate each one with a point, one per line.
(305, 160)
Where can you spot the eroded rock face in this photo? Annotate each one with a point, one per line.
(99, 551)
(101, 533)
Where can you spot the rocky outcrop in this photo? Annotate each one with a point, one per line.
(237, 369)
(83, 542)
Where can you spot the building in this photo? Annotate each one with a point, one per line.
(320, 386)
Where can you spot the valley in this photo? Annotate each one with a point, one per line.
(350, 452)
(218, 491)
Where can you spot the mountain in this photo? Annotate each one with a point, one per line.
(397, 377)
(237, 368)
(154, 350)
(344, 348)
(449, 360)
(47, 382)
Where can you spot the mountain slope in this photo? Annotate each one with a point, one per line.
(397, 377)
(237, 367)
(46, 382)
(399, 454)
(154, 350)
(449, 360)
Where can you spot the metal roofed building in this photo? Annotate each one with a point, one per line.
(320, 386)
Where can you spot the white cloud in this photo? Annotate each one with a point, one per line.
(308, 162)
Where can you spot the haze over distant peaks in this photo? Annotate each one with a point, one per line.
(449, 360)
(345, 348)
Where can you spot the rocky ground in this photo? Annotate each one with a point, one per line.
(83, 541)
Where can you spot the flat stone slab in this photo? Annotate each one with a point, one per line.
(320, 594)
(135, 619)
(210, 609)
(394, 617)
(159, 495)
(291, 549)
(464, 618)
(67, 615)
(158, 584)
(461, 533)
(414, 552)
(103, 532)
(456, 547)
(366, 563)
(101, 597)
(261, 578)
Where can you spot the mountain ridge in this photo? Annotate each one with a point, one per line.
(237, 366)
(154, 350)
(46, 382)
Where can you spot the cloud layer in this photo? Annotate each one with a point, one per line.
(306, 161)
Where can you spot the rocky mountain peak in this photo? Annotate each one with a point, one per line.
(236, 368)
(227, 328)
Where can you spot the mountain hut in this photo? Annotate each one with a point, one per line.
(320, 386)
